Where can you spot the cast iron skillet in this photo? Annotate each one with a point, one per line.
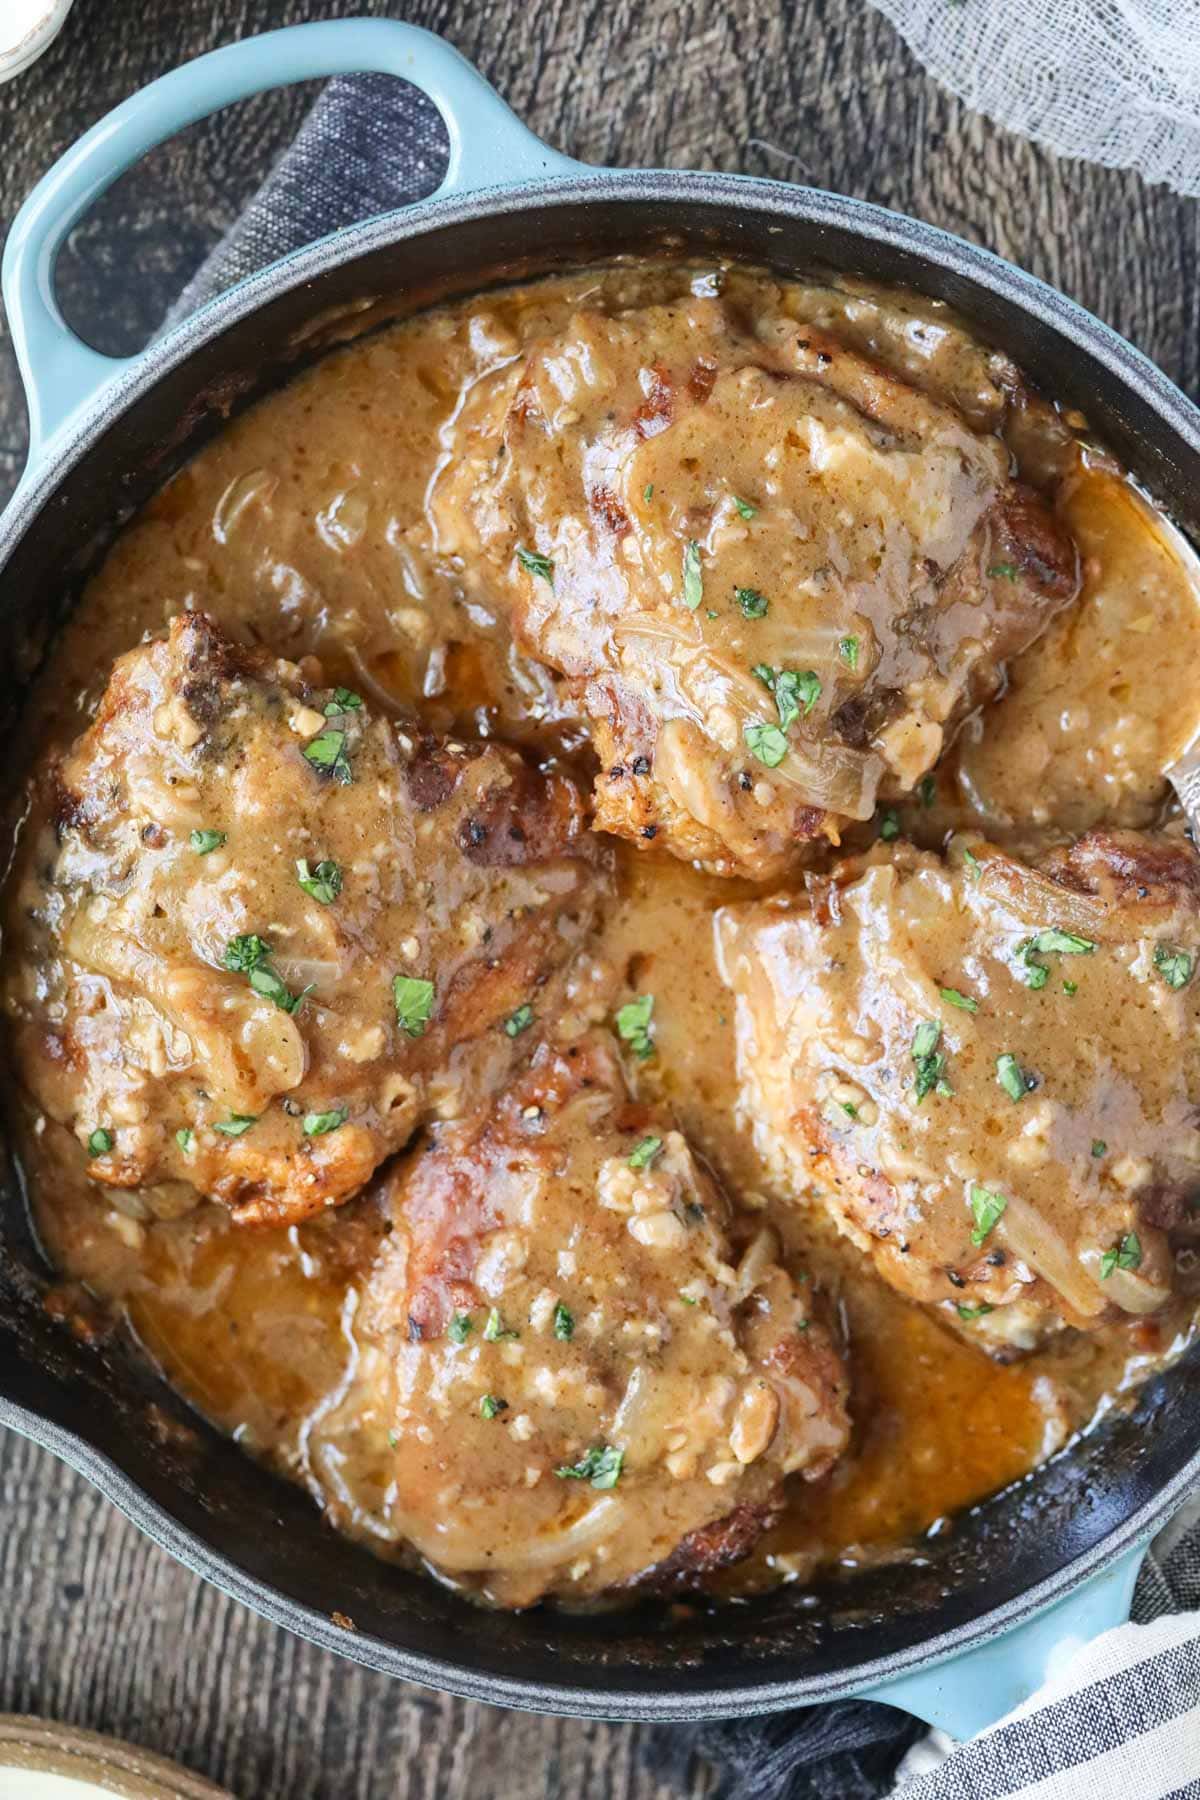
(935, 1631)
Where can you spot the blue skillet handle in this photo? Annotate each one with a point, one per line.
(489, 147)
(967, 1693)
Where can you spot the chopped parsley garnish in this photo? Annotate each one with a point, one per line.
(753, 604)
(491, 1405)
(688, 1299)
(459, 1328)
(324, 883)
(745, 509)
(767, 743)
(964, 1002)
(414, 1003)
(564, 1323)
(1099, 1147)
(792, 688)
(1051, 942)
(344, 700)
(643, 1154)
(327, 752)
(1175, 966)
(848, 651)
(987, 1210)
(889, 825)
(316, 1124)
(185, 1137)
(100, 1142)
(1125, 1255)
(1070, 989)
(246, 953)
(973, 1312)
(266, 982)
(971, 864)
(849, 1108)
(930, 1061)
(519, 1021)
(207, 839)
(494, 1330)
(601, 1465)
(693, 576)
(633, 1025)
(1007, 571)
(1011, 1077)
(927, 790)
(236, 1124)
(648, 492)
(535, 564)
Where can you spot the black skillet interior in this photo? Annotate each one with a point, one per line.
(254, 1533)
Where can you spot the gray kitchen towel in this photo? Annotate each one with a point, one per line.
(1122, 1722)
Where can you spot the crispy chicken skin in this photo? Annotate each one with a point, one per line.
(258, 933)
(988, 1073)
(775, 577)
(580, 1372)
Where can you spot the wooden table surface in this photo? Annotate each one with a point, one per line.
(97, 1627)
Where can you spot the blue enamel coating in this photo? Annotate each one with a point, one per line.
(972, 1690)
(489, 147)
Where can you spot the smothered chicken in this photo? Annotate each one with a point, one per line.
(988, 1073)
(579, 1371)
(261, 932)
(775, 577)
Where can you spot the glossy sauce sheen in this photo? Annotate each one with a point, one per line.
(305, 527)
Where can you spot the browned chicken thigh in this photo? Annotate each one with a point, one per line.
(988, 1073)
(257, 932)
(579, 1371)
(775, 577)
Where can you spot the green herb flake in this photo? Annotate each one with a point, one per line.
(767, 743)
(344, 700)
(100, 1142)
(1003, 571)
(1175, 966)
(459, 1328)
(633, 1025)
(266, 982)
(1070, 989)
(327, 754)
(849, 1108)
(324, 883)
(1099, 1147)
(236, 1124)
(185, 1137)
(393, 1440)
(973, 1312)
(927, 790)
(753, 604)
(688, 1299)
(929, 1061)
(1061, 943)
(246, 953)
(1125, 1255)
(972, 865)
(793, 689)
(491, 1406)
(693, 576)
(889, 825)
(564, 1323)
(987, 1210)
(316, 1124)
(964, 1002)
(1011, 1077)
(648, 492)
(644, 1153)
(519, 1021)
(494, 1330)
(601, 1465)
(745, 510)
(414, 1003)
(848, 651)
(207, 840)
(535, 564)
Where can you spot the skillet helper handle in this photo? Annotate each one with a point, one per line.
(965, 1694)
(489, 147)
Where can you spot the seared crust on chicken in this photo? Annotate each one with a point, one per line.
(775, 577)
(590, 1375)
(259, 934)
(988, 1073)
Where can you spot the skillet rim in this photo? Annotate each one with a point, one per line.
(724, 195)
